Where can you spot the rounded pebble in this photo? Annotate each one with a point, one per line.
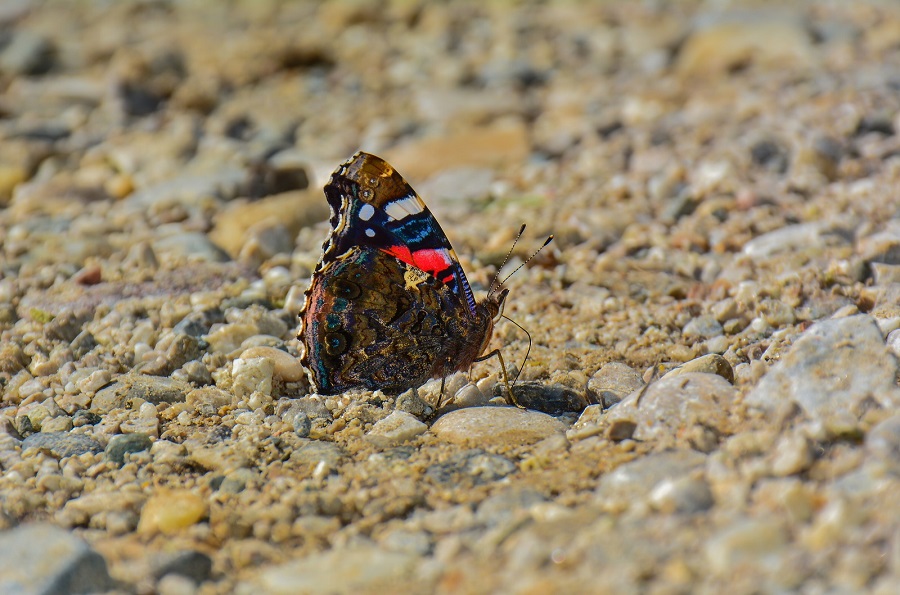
(496, 425)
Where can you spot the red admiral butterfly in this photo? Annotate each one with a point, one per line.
(389, 306)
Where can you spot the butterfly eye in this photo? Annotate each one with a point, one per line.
(346, 289)
(335, 343)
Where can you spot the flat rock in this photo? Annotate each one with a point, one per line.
(337, 571)
(728, 44)
(294, 210)
(496, 425)
(43, 559)
(62, 444)
(396, 428)
(832, 370)
(152, 389)
(674, 404)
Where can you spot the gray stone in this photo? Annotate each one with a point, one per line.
(62, 444)
(883, 441)
(553, 399)
(412, 403)
(189, 244)
(301, 424)
(190, 187)
(152, 389)
(27, 54)
(504, 506)
(634, 481)
(669, 407)
(834, 369)
(613, 382)
(802, 236)
(470, 467)
(191, 564)
(704, 326)
(315, 452)
(122, 444)
(42, 559)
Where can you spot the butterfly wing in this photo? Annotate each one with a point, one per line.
(373, 321)
(372, 205)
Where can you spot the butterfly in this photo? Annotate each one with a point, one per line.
(388, 306)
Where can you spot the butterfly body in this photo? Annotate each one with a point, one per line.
(389, 306)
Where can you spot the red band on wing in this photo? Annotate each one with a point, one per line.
(429, 260)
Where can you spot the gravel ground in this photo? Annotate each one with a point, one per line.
(712, 386)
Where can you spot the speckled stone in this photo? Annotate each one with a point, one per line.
(495, 425)
(120, 445)
(813, 373)
(152, 389)
(62, 444)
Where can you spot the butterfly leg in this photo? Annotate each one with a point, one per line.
(512, 397)
(440, 401)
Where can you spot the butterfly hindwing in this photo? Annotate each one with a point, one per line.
(366, 304)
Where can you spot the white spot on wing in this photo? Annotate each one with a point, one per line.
(370, 232)
(366, 212)
(401, 208)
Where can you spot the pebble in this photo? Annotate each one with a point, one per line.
(410, 402)
(707, 364)
(483, 146)
(301, 424)
(197, 324)
(495, 425)
(731, 43)
(470, 396)
(470, 467)
(208, 397)
(813, 373)
(39, 558)
(338, 571)
(252, 375)
(293, 210)
(704, 327)
(27, 53)
(683, 495)
(792, 455)
(634, 482)
(152, 389)
(171, 511)
(286, 367)
(613, 382)
(552, 399)
(396, 428)
(189, 564)
(123, 444)
(753, 542)
(314, 453)
(801, 236)
(883, 441)
(195, 246)
(62, 444)
(671, 406)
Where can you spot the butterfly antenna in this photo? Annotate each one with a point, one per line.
(493, 286)
(527, 351)
(544, 245)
